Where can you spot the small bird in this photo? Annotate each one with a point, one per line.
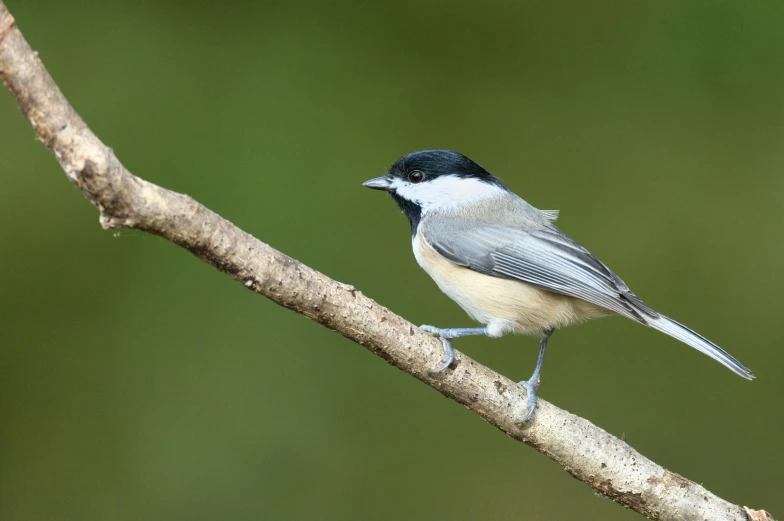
(505, 262)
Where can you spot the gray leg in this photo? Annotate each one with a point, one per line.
(532, 384)
(448, 334)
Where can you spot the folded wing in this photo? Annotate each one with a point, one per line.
(546, 258)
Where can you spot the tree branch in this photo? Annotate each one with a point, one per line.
(588, 453)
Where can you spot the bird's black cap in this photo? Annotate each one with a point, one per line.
(438, 162)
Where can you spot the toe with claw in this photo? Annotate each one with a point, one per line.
(449, 353)
(530, 386)
(448, 334)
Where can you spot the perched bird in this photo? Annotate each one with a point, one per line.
(506, 264)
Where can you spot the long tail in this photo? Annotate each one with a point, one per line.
(700, 343)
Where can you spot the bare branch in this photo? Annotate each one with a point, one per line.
(588, 453)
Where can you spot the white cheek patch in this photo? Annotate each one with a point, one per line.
(445, 191)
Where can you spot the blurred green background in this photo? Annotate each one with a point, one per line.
(136, 382)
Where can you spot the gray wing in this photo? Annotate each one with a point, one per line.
(546, 258)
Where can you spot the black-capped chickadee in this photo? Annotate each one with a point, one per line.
(506, 264)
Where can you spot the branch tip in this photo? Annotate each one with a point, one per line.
(757, 515)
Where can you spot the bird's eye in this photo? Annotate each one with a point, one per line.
(415, 176)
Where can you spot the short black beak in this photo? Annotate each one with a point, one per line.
(379, 183)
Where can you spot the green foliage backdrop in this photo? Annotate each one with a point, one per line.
(138, 383)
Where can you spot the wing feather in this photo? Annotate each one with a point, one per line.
(546, 258)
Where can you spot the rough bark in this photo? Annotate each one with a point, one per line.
(609, 465)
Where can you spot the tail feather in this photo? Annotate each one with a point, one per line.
(700, 343)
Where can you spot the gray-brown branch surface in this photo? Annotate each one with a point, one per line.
(609, 465)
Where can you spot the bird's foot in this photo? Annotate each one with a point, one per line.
(445, 336)
(531, 387)
(448, 334)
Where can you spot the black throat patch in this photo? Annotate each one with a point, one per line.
(412, 210)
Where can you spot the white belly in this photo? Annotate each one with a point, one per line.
(504, 305)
